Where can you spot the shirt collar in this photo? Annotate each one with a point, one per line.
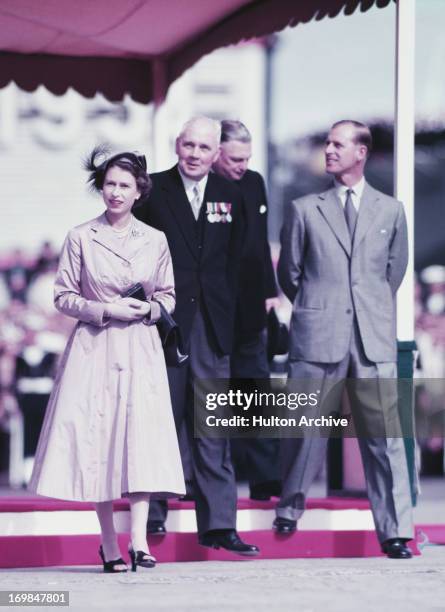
(358, 188)
(190, 183)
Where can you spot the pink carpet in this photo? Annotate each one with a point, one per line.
(55, 550)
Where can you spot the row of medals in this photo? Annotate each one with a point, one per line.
(213, 216)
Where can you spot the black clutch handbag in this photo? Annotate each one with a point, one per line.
(171, 339)
(167, 327)
(137, 292)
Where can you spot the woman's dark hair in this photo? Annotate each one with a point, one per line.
(133, 163)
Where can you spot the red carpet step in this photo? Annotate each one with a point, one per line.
(38, 532)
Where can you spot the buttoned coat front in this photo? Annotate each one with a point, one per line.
(109, 428)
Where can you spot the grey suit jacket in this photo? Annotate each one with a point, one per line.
(328, 280)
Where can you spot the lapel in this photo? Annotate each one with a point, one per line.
(180, 208)
(332, 211)
(103, 235)
(366, 214)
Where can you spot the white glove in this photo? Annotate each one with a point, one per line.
(127, 309)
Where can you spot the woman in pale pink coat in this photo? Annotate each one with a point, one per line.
(109, 429)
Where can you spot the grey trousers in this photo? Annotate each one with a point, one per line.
(384, 458)
(214, 485)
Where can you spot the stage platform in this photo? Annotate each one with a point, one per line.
(36, 532)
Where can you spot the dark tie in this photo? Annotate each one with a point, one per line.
(350, 213)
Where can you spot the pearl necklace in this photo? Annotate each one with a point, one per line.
(123, 231)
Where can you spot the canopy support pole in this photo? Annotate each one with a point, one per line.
(404, 153)
(404, 170)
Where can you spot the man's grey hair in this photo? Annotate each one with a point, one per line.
(234, 130)
(362, 132)
(202, 119)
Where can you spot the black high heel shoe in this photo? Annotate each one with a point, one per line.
(110, 566)
(139, 557)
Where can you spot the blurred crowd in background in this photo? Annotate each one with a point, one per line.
(32, 336)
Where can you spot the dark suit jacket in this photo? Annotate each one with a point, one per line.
(205, 255)
(257, 277)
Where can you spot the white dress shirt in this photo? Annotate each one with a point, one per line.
(356, 195)
(189, 185)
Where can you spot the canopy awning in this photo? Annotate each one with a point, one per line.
(137, 47)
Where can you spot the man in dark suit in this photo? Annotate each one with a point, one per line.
(257, 293)
(344, 253)
(202, 217)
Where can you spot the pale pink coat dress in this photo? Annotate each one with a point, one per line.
(109, 428)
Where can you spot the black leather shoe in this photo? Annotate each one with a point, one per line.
(263, 491)
(396, 548)
(284, 525)
(156, 528)
(229, 540)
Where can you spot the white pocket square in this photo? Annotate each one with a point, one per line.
(383, 231)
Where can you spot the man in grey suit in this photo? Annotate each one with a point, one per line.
(343, 256)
